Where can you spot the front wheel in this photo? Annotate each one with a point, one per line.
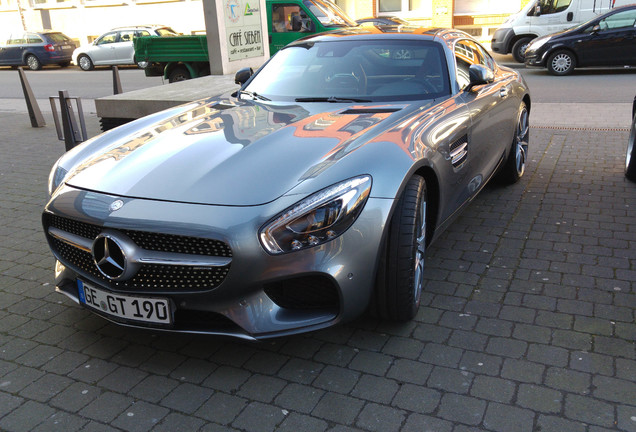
(401, 271)
(630, 162)
(519, 49)
(561, 63)
(33, 62)
(179, 73)
(515, 165)
(85, 63)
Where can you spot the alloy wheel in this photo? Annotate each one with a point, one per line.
(418, 274)
(561, 63)
(521, 141)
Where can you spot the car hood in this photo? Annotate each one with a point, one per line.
(226, 153)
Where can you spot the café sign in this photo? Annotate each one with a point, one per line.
(243, 28)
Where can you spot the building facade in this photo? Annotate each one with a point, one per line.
(84, 20)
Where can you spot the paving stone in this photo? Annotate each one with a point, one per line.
(153, 388)
(558, 424)
(176, 421)
(380, 418)
(338, 408)
(612, 389)
(187, 398)
(26, 417)
(375, 389)
(494, 327)
(538, 398)
(302, 423)
(46, 387)
(106, 407)
(572, 340)
(258, 417)
(615, 347)
(261, 388)
(417, 399)
(441, 355)
(593, 363)
(336, 379)
(588, 410)
(480, 363)
(568, 380)
(222, 408)
(549, 355)
(494, 389)
(423, 423)
(505, 418)
(462, 409)
(452, 380)
(299, 398)
(371, 362)
(506, 347)
(626, 418)
(404, 370)
(521, 370)
(140, 417)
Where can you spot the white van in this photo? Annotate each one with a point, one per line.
(542, 17)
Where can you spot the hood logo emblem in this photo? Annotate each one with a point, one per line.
(109, 257)
(116, 205)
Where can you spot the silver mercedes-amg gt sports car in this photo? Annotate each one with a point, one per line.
(302, 200)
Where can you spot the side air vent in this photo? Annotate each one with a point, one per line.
(459, 151)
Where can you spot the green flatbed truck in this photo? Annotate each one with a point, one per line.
(183, 57)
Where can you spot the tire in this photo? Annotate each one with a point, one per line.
(515, 165)
(33, 62)
(180, 73)
(630, 160)
(561, 63)
(400, 274)
(85, 63)
(519, 49)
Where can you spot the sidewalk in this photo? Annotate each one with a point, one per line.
(527, 319)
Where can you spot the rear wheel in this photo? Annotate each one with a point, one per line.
(561, 63)
(85, 63)
(401, 271)
(33, 62)
(519, 49)
(630, 160)
(180, 73)
(515, 165)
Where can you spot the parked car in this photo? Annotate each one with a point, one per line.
(116, 47)
(383, 20)
(35, 49)
(630, 162)
(608, 40)
(304, 198)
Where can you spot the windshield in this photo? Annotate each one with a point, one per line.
(371, 70)
(58, 37)
(328, 13)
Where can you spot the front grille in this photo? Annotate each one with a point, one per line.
(150, 277)
(307, 292)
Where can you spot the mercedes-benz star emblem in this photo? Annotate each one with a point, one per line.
(109, 257)
(116, 205)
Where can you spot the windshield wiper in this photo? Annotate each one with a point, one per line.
(253, 95)
(331, 99)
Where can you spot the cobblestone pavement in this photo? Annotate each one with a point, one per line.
(526, 324)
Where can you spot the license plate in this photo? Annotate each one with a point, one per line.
(144, 309)
(66, 46)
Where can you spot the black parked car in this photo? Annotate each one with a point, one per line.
(630, 162)
(607, 40)
(35, 49)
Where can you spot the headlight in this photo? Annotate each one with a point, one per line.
(317, 219)
(537, 43)
(56, 176)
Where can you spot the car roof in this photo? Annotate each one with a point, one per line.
(442, 35)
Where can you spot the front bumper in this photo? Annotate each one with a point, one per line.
(257, 296)
(535, 58)
(502, 40)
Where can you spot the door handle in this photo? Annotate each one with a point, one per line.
(503, 92)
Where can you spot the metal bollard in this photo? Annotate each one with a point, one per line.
(68, 131)
(37, 120)
(116, 82)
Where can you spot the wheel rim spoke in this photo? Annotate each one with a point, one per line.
(420, 249)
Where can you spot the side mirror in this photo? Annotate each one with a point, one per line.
(479, 75)
(242, 75)
(596, 29)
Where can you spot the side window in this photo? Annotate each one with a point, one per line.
(469, 53)
(290, 18)
(547, 7)
(619, 20)
(32, 38)
(17, 39)
(464, 57)
(142, 33)
(126, 35)
(108, 38)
